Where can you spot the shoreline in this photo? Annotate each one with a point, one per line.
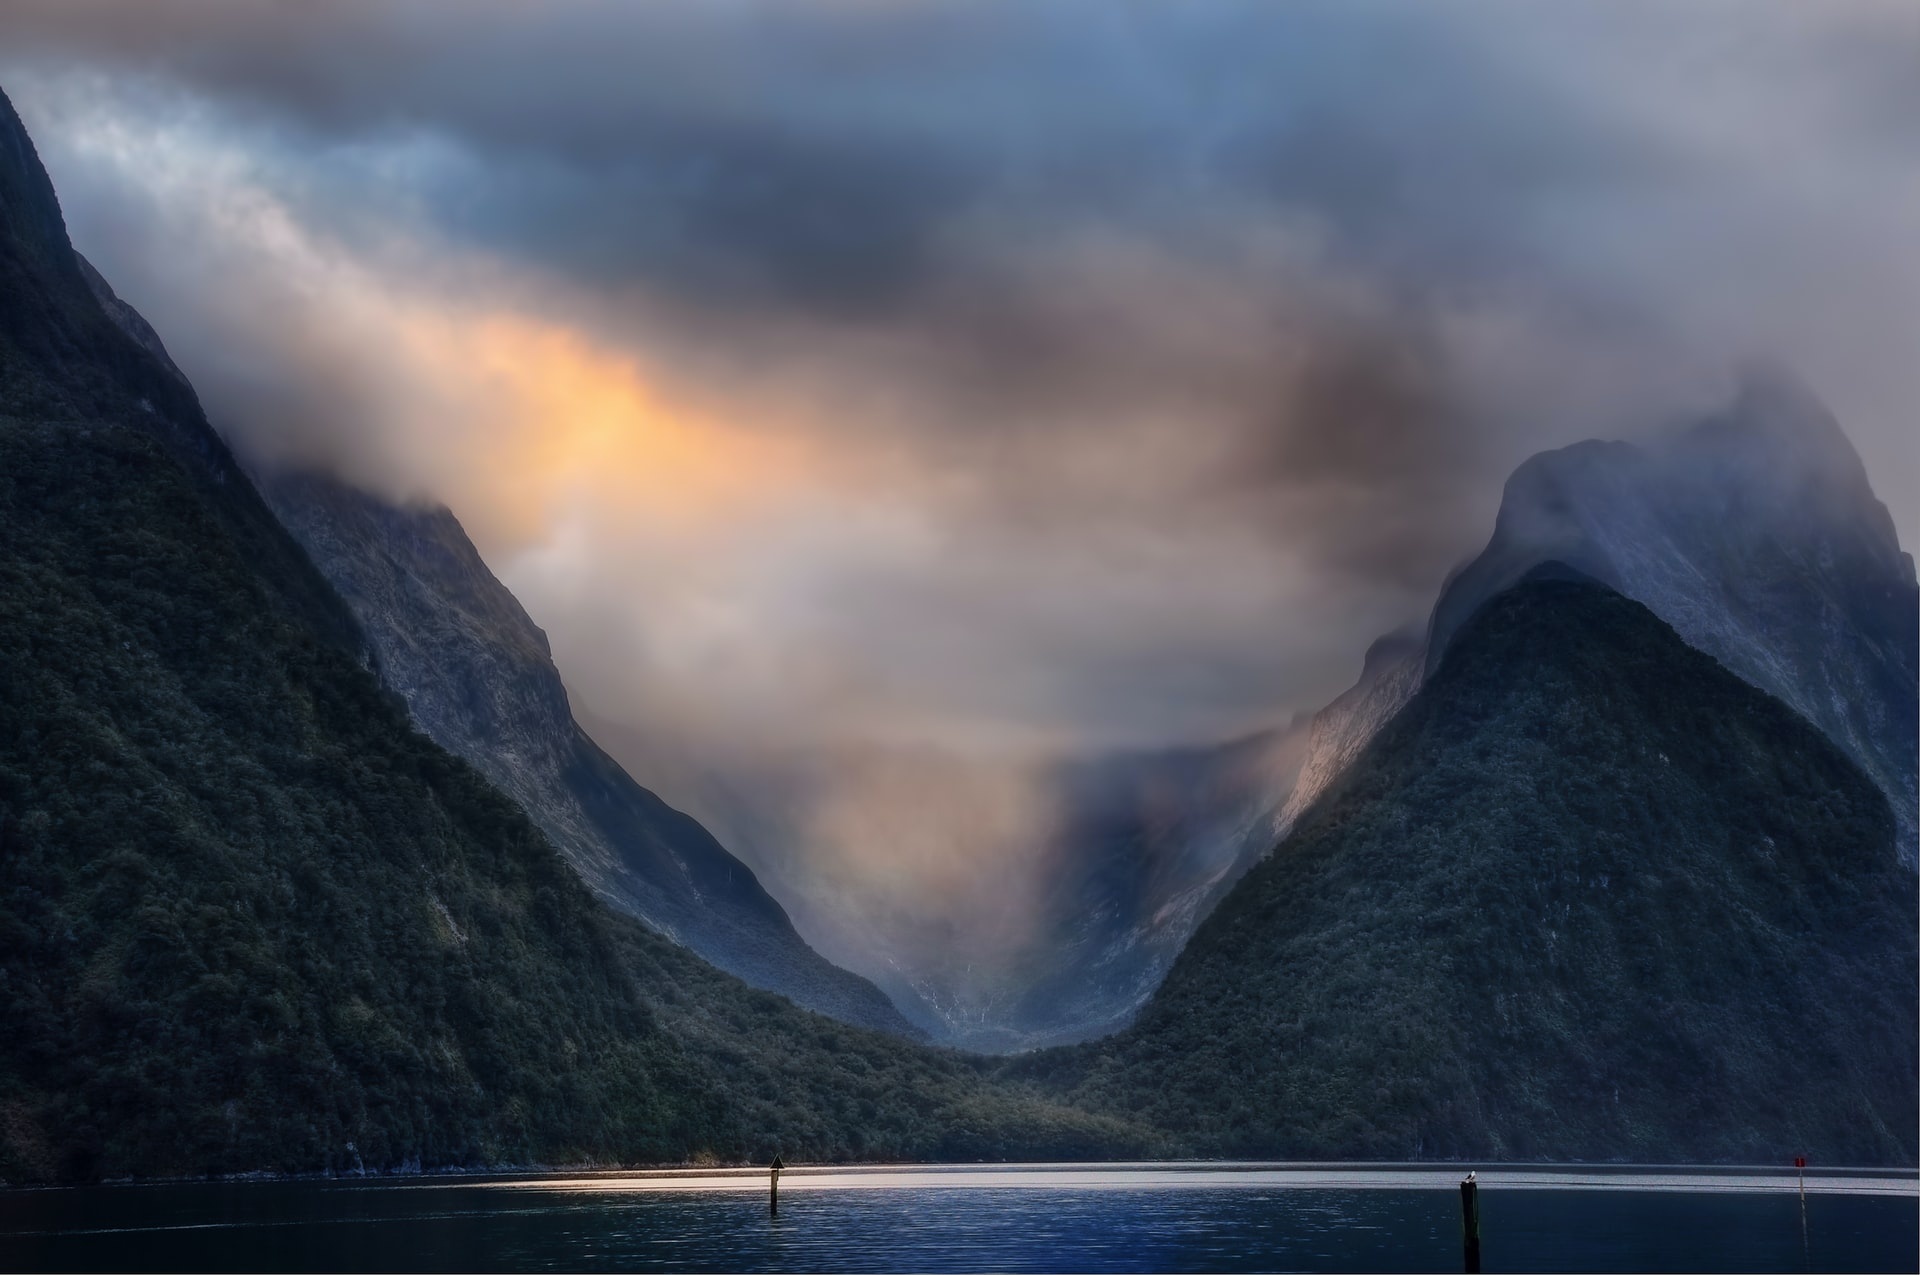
(1120, 1174)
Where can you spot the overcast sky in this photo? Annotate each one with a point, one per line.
(982, 381)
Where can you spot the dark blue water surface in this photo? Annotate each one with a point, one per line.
(1067, 1219)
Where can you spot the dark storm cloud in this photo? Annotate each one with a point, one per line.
(925, 169)
(821, 155)
(1270, 225)
(717, 215)
(725, 159)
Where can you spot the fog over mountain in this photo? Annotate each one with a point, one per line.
(894, 411)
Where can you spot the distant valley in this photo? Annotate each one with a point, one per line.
(1753, 532)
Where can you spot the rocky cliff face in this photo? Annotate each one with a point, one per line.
(1754, 533)
(478, 678)
(1156, 841)
(1391, 674)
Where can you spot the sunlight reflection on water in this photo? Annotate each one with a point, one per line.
(1141, 1217)
(1211, 1176)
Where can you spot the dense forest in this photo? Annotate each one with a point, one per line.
(1589, 896)
(252, 919)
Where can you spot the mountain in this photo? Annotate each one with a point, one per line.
(1754, 532)
(478, 677)
(1587, 896)
(250, 918)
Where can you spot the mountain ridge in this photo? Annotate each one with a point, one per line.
(477, 675)
(1754, 531)
(748, 934)
(1589, 896)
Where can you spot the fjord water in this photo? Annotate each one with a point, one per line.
(1089, 1218)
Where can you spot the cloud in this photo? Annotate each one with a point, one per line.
(981, 384)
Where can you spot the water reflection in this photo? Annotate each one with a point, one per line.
(1069, 1217)
(1215, 1176)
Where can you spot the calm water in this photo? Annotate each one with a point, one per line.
(1059, 1217)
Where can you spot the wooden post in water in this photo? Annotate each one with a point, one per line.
(774, 1199)
(1470, 1222)
(1806, 1257)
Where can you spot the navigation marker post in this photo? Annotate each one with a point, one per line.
(1470, 1221)
(774, 1199)
(1800, 1163)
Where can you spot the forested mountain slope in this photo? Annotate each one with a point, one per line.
(1588, 896)
(479, 679)
(1754, 532)
(251, 919)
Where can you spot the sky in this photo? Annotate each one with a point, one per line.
(909, 395)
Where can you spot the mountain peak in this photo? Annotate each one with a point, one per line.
(1771, 403)
(1583, 850)
(1776, 452)
(30, 217)
(1755, 532)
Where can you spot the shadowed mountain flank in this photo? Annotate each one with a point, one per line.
(478, 677)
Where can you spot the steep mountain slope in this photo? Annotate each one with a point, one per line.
(1754, 533)
(1757, 536)
(1393, 669)
(250, 918)
(478, 677)
(1587, 896)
